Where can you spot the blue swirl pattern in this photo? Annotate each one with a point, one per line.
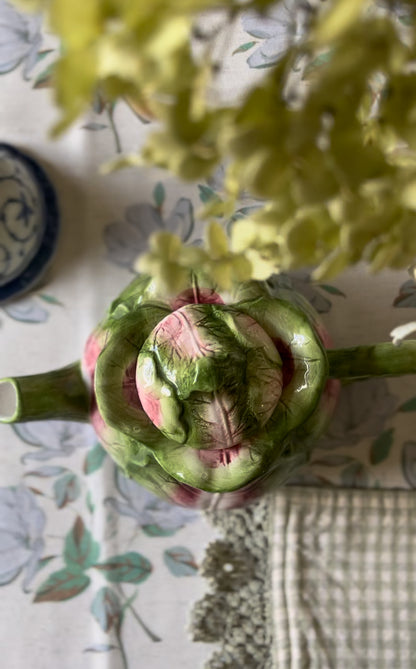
(29, 221)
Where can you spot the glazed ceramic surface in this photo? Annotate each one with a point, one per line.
(205, 398)
(28, 221)
(208, 393)
(201, 397)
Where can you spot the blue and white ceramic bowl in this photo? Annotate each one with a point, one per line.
(29, 222)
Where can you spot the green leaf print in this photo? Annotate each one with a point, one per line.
(106, 609)
(66, 489)
(180, 561)
(80, 548)
(126, 568)
(94, 459)
(61, 585)
(380, 448)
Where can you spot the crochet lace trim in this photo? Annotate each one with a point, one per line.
(236, 611)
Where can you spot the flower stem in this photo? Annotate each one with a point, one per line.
(110, 115)
(142, 624)
(122, 649)
(363, 362)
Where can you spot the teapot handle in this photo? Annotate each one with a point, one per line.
(363, 362)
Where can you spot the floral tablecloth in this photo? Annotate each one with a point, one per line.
(95, 571)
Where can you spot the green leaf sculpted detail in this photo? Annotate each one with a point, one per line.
(137, 461)
(207, 363)
(164, 393)
(129, 567)
(287, 325)
(142, 290)
(279, 444)
(80, 549)
(126, 339)
(197, 396)
(193, 467)
(62, 585)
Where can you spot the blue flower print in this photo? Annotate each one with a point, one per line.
(27, 310)
(284, 25)
(150, 512)
(127, 240)
(300, 282)
(20, 39)
(22, 523)
(363, 410)
(54, 438)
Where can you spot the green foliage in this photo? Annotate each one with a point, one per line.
(336, 169)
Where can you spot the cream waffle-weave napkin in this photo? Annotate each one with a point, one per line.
(343, 568)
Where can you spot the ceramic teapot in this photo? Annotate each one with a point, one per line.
(205, 398)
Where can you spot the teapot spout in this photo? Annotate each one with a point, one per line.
(58, 395)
